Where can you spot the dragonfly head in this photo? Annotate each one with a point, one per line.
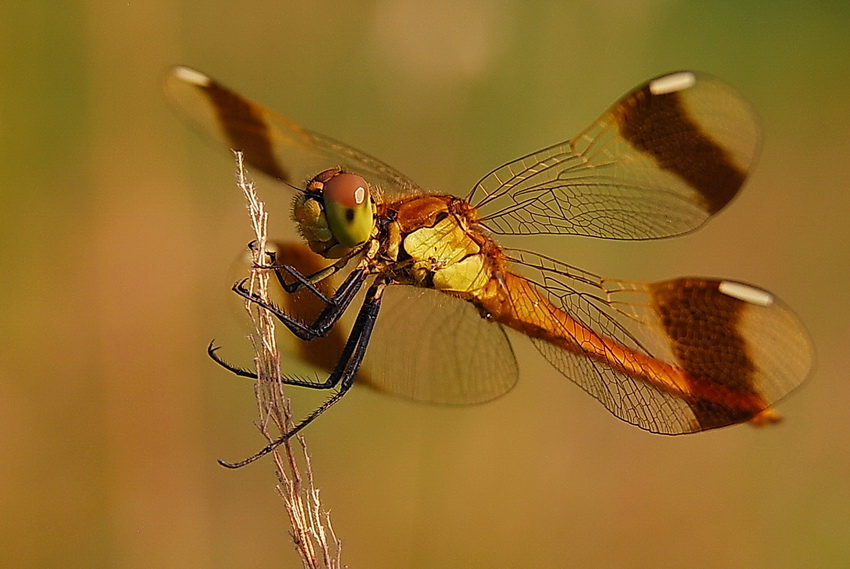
(336, 213)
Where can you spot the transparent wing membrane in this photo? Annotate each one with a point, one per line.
(657, 163)
(271, 143)
(431, 347)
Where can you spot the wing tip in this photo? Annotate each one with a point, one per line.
(746, 293)
(672, 83)
(191, 76)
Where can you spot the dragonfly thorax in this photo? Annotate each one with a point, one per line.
(440, 244)
(335, 213)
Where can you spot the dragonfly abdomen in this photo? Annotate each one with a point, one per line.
(518, 304)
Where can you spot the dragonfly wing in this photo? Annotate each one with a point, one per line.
(658, 163)
(677, 356)
(428, 346)
(271, 143)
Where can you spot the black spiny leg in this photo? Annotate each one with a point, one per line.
(212, 352)
(343, 374)
(299, 278)
(335, 307)
(330, 315)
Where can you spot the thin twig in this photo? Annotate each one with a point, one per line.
(311, 529)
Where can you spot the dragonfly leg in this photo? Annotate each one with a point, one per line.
(330, 315)
(343, 374)
(212, 350)
(334, 310)
(300, 279)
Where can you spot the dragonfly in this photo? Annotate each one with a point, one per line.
(676, 356)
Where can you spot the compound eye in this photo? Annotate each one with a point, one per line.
(348, 208)
(347, 190)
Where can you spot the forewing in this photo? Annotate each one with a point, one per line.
(679, 356)
(658, 163)
(271, 143)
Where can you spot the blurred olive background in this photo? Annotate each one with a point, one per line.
(119, 227)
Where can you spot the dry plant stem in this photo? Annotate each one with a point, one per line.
(311, 530)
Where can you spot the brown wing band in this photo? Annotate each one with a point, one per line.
(660, 126)
(245, 127)
(701, 324)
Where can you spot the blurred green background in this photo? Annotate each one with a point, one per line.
(119, 227)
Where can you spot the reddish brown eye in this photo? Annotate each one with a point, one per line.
(347, 190)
